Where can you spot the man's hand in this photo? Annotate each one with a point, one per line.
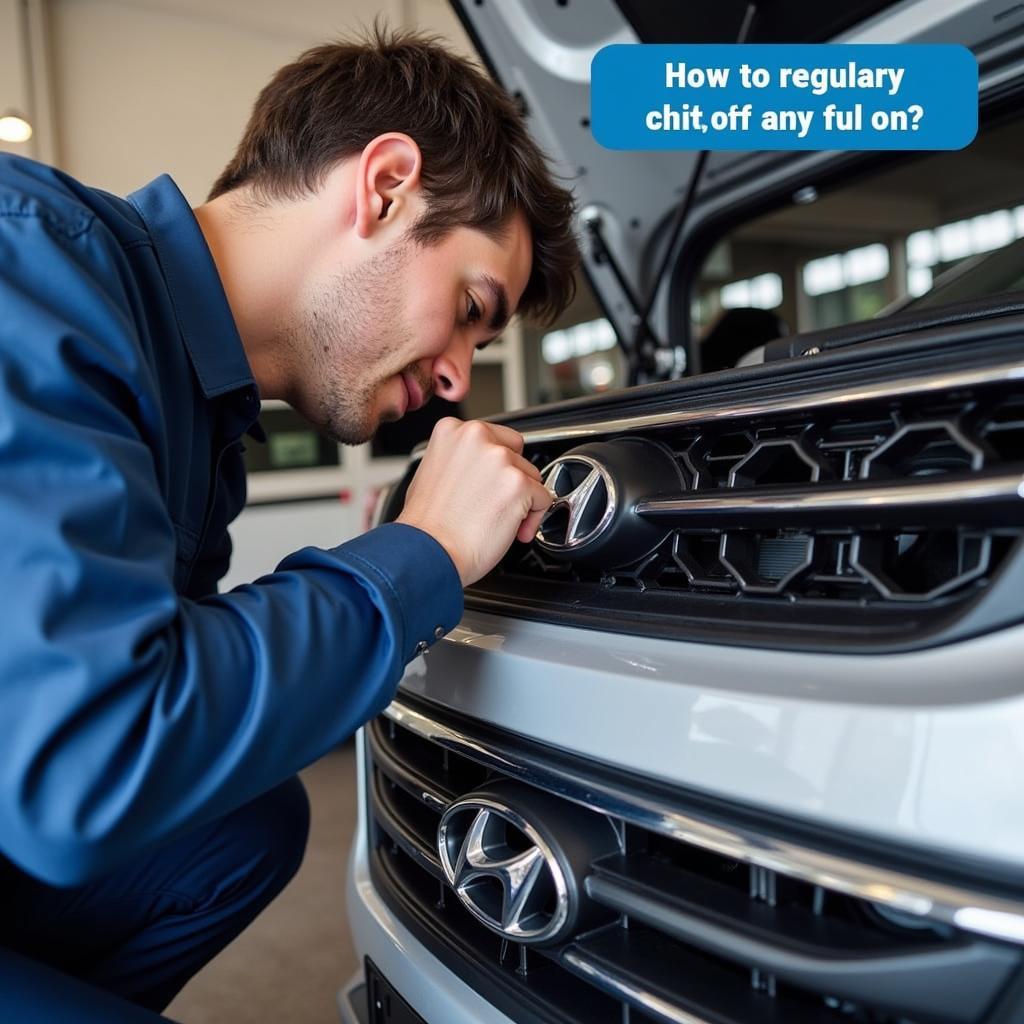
(474, 493)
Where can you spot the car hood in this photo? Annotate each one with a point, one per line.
(541, 52)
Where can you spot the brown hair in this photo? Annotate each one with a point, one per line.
(480, 166)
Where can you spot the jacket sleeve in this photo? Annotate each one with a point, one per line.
(128, 714)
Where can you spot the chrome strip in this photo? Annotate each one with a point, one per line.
(734, 409)
(852, 503)
(975, 912)
(389, 820)
(411, 780)
(640, 998)
(961, 982)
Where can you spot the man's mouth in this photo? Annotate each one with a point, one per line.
(414, 394)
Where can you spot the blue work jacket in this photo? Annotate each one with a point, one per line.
(135, 701)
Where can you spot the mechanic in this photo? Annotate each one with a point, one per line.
(384, 215)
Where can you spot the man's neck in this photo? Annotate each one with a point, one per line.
(254, 249)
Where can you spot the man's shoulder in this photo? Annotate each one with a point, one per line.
(64, 265)
(32, 190)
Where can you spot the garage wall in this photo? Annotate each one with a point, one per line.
(24, 74)
(14, 84)
(143, 87)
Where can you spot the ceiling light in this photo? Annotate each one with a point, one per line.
(14, 128)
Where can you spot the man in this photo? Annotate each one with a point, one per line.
(383, 217)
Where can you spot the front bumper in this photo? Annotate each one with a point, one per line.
(920, 748)
(432, 990)
(842, 748)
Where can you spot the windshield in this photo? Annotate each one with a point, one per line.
(868, 247)
(997, 273)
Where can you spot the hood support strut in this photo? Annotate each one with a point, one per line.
(648, 357)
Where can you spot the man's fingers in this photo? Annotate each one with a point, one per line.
(446, 425)
(540, 501)
(473, 491)
(530, 525)
(540, 498)
(507, 436)
(527, 467)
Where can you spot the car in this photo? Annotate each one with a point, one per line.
(738, 737)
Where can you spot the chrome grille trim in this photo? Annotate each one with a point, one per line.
(849, 971)
(984, 499)
(972, 911)
(413, 782)
(395, 827)
(734, 409)
(623, 989)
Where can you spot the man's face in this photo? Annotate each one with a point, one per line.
(378, 339)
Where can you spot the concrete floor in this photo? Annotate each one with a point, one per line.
(288, 965)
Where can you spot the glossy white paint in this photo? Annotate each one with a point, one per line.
(924, 748)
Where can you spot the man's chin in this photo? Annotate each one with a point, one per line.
(356, 434)
(339, 425)
(351, 434)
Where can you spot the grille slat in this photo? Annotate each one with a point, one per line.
(391, 819)
(955, 978)
(677, 986)
(990, 499)
(417, 784)
(693, 934)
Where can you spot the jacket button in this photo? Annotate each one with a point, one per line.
(439, 632)
(422, 647)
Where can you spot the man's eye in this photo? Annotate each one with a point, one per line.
(472, 310)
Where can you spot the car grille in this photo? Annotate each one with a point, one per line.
(875, 514)
(707, 919)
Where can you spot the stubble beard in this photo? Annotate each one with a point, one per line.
(349, 336)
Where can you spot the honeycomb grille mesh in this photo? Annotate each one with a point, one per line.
(977, 430)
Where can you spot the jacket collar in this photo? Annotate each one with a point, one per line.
(204, 316)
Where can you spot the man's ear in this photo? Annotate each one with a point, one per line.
(387, 183)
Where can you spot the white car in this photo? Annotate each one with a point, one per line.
(739, 738)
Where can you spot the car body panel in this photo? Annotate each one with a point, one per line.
(914, 747)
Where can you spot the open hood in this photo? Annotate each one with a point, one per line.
(541, 51)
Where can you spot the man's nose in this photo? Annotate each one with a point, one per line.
(452, 373)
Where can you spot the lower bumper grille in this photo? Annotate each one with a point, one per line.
(699, 921)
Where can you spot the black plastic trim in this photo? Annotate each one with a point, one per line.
(410, 780)
(761, 622)
(413, 846)
(645, 961)
(382, 1002)
(941, 980)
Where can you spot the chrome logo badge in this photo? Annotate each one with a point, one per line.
(502, 870)
(584, 503)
